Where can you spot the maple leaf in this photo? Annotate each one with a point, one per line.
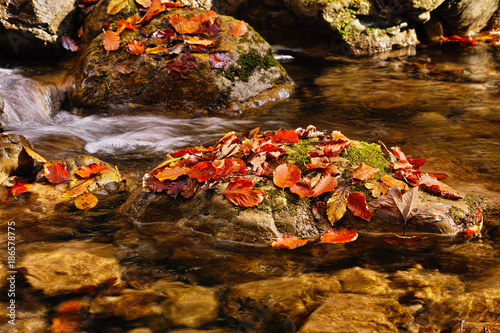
(339, 236)
(240, 192)
(239, 29)
(115, 6)
(86, 201)
(218, 60)
(363, 173)
(69, 44)
(56, 173)
(111, 40)
(286, 175)
(19, 188)
(90, 170)
(337, 204)
(356, 202)
(34, 155)
(203, 171)
(288, 242)
(135, 47)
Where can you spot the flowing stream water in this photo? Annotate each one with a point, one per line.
(441, 105)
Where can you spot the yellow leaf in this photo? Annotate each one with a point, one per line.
(86, 201)
(378, 188)
(157, 50)
(34, 155)
(337, 204)
(391, 182)
(144, 3)
(197, 41)
(115, 6)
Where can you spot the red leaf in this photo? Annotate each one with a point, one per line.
(286, 136)
(189, 60)
(56, 173)
(240, 192)
(232, 166)
(111, 40)
(177, 69)
(218, 60)
(357, 204)
(69, 44)
(363, 173)
(302, 189)
(203, 171)
(271, 150)
(403, 161)
(417, 163)
(239, 29)
(127, 24)
(135, 47)
(90, 170)
(325, 184)
(288, 242)
(156, 186)
(432, 185)
(339, 236)
(19, 188)
(286, 175)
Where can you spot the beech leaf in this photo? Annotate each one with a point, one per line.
(144, 3)
(363, 173)
(203, 171)
(19, 188)
(56, 173)
(337, 204)
(288, 242)
(115, 6)
(286, 175)
(302, 189)
(286, 136)
(111, 40)
(86, 201)
(171, 173)
(90, 170)
(78, 190)
(69, 44)
(357, 205)
(239, 29)
(155, 8)
(339, 236)
(325, 184)
(34, 155)
(240, 192)
(135, 47)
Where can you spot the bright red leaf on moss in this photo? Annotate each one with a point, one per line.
(203, 171)
(56, 173)
(363, 173)
(288, 242)
(239, 29)
(19, 188)
(90, 170)
(286, 136)
(357, 204)
(286, 175)
(240, 192)
(339, 236)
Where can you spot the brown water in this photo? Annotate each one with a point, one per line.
(441, 105)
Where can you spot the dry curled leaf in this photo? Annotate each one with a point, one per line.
(69, 44)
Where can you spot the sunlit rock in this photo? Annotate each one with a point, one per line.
(13, 158)
(363, 281)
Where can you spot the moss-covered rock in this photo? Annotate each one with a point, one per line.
(122, 82)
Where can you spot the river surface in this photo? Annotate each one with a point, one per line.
(443, 105)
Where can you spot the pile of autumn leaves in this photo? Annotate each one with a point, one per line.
(199, 33)
(243, 161)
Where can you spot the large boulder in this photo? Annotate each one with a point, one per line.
(33, 28)
(183, 80)
(466, 16)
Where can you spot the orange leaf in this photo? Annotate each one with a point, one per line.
(357, 204)
(56, 173)
(239, 29)
(66, 324)
(210, 17)
(157, 50)
(155, 8)
(363, 173)
(34, 155)
(302, 189)
(330, 170)
(72, 307)
(203, 171)
(325, 184)
(86, 201)
(288, 242)
(286, 136)
(111, 40)
(339, 236)
(90, 170)
(286, 175)
(183, 25)
(240, 192)
(135, 47)
(391, 182)
(19, 188)
(78, 190)
(170, 173)
(126, 23)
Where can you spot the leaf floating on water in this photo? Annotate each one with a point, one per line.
(339, 236)
(288, 242)
(286, 175)
(90, 170)
(56, 173)
(241, 193)
(404, 240)
(86, 201)
(239, 29)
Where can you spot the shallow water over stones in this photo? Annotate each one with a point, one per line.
(177, 280)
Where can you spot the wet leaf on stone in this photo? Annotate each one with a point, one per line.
(135, 47)
(239, 29)
(363, 173)
(156, 186)
(126, 24)
(337, 204)
(285, 136)
(203, 171)
(302, 189)
(69, 44)
(56, 173)
(34, 155)
(19, 188)
(159, 50)
(144, 3)
(111, 40)
(339, 236)
(154, 9)
(170, 173)
(286, 175)
(357, 205)
(78, 190)
(90, 170)
(218, 60)
(288, 242)
(86, 201)
(240, 192)
(115, 6)
(431, 185)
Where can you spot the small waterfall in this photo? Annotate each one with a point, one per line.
(25, 99)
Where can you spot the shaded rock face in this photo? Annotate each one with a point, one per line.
(122, 82)
(33, 28)
(466, 16)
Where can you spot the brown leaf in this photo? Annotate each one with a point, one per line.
(144, 3)
(286, 175)
(111, 40)
(240, 192)
(78, 190)
(363, 173)
(135, 47)
(239, 29)
(318, 210)
(337, 204)
(357, 205)
(339, 236)
(432, 185)
(288, 242)
(183, 25)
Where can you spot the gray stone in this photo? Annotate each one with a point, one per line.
(466, 16)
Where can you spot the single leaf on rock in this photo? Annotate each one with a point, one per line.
(111, 40)
(189, 60)
(87, 171)
(218, 60)
(239, 29)
(337, 204)
(240, 192)
(135, 47)
(357, 205)
(34, 155)
(19, 188)
(325, 184)
(177, 69)
(86, 201)
(339, 236)
(115, 6)
(69, 44)
(288, 242)
(78, 190)
(210, 17)
(363, 173)
(171, 173)
(203, 171)
(183, 25)
(302, 189)
(286, 175)
(56, 173)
